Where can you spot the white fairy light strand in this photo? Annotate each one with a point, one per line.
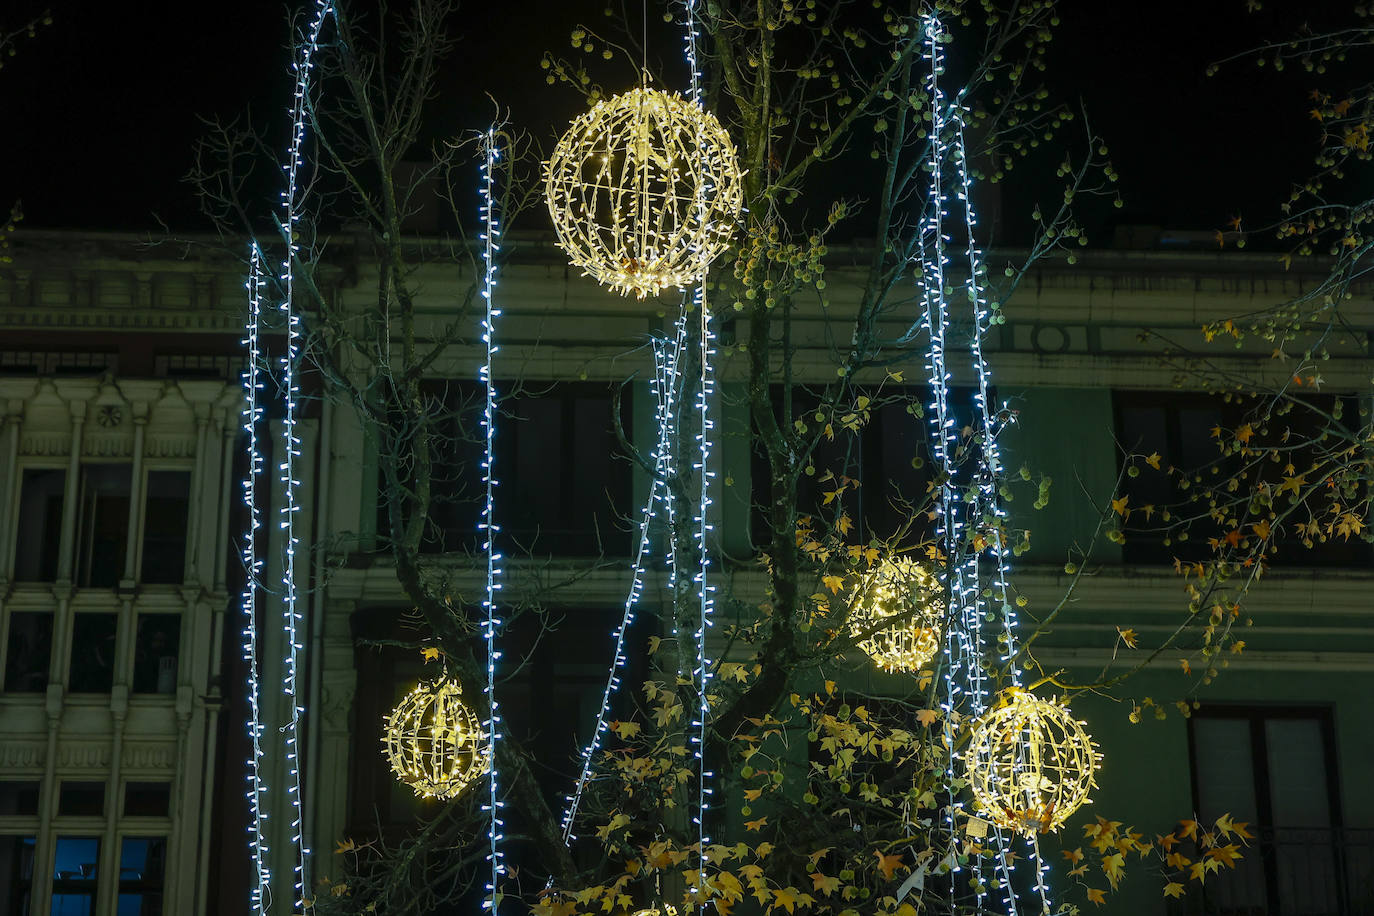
(664, 373)
(965, 687)
(490, 238)
(705, 591)
(291, 617)
(252, 566)
(991, 471)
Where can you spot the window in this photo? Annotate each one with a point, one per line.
(81, 799)
(1179, 427)
(19, 798)
(1274, 769)
(40, 525)
(166, 511)
(16, 872)
(147, 799)
(93, 653)
(30, 646)
(567, 486)
(104, 524)
(142, 864)
(156, 647)
(74, 875)
(889, 457)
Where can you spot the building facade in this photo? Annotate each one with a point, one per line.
(122, 712)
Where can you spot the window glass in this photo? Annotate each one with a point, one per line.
(165, 517)
(147, 799)
(16, 873)
(93, 653)
(81, 799)
(74, 875)
(568, 485)
(40, 525)
(104, 524)
(142, 864)
(156, 646)
(26, 658)
(19, 798)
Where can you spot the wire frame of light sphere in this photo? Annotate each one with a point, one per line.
(434, 741)
(662, 909)
(1030, 764)
(895, 614)
(644, 191)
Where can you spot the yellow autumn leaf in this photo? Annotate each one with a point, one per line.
(345, 845)
(1096, 896)
(784, 897)
(625, 729)
(1114, 866)
(758, 824)
(430, 653)
(1153, 460)
(824, 884)
(1119, 506)
(1173, 889)
(834, 583)
(927, 717)
(888, 864)
(1128, 636)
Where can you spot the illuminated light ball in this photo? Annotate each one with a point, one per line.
(434, 741)
(1030, 764)
(644, 191)
(908, 595)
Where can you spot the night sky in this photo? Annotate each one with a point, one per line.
(100, 110)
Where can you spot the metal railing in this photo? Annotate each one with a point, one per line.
(1293, 871)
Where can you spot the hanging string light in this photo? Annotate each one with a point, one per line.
(644, 191)
(665, 356)
(709, 188)
(895, 614)
(490, 238)
(1030, 764)
(252, 566)
(434, 741)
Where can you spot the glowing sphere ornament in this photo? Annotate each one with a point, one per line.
(895, 614)
(644, 191)
(1030, 764)
(434, 741)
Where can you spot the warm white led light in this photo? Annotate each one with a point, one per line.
(644, 191)
(895, 613)
(1030, 764)
(434, 741)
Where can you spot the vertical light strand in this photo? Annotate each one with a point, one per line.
(705, 590)
(665, 371)
(252, 570)
(965, 691)
(990, 474)
(290, 387)
(490, 238)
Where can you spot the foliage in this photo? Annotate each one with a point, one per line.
(830, 801)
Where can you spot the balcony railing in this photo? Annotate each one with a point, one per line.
(1294, 871)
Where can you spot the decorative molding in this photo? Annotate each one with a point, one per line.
(144, 756)
(82, 755)
(21, 754)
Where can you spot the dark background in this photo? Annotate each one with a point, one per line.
(100, 110)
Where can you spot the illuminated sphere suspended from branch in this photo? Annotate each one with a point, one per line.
(665, 909)
(434, 741)
(644, 191)
(895, 615)
(1030, 764)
